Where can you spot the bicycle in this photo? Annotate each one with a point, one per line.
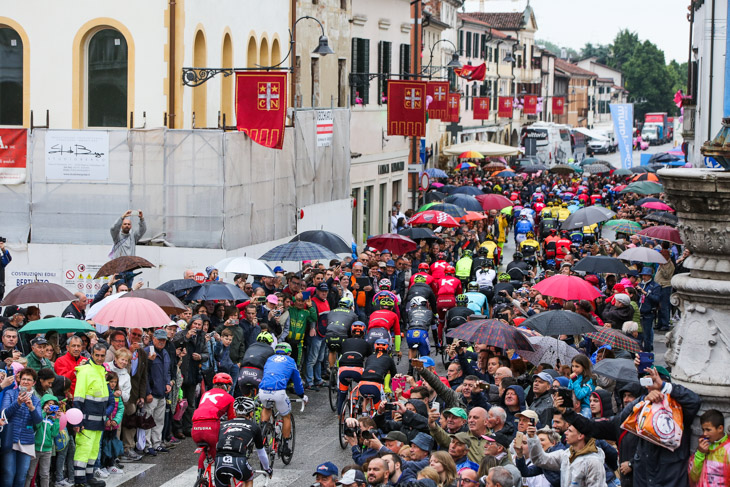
(272, 432)
(333, 387)
(206, 475)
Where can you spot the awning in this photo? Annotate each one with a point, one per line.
(590, 133)
(487, 149)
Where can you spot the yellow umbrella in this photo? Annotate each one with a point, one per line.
(471, 154)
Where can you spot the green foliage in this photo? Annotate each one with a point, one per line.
(623, 47)
(555, 49)
(601, 51)
(647, 77)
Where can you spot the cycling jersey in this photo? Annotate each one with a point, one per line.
(429, 278)
(278, 371)
(354, 352)
(457, 316)
(213, 405)
(449, 286)
(485, 278)
(420, 318)
(237, 435)
(438, 269)
(377, 367)
(422, 290)
(477, 303)
(387, 319)
(256, 355)
(375, 334)
(339, 321)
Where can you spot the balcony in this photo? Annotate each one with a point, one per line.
(688, 122)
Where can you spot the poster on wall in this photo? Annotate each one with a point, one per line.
(325, 125)
(81, 155)
(13, 154)
(80, 278)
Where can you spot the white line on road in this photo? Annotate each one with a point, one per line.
(131, 470)
(281, 478)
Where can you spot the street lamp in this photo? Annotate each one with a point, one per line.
(454, 63)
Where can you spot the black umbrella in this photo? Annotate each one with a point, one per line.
(640, 169)
(587, 216)
(663, 217)
(662, 157)
(420, 233)
(326, 239)
(534, 168)
(559, 322)
(470, 190)
(217, 290)
(447, 188)
(467, 202)
(432, 196)
(179, 287)
(600, 264)
(620, 369)
(648, 199)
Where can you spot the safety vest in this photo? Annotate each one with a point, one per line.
(463, 267)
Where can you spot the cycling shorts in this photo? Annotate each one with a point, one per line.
(279, 398)
(249, 379)
(418, 340)
(373, 390)
(334, 343)
(229, 467)
(205, 433)
(348, 375)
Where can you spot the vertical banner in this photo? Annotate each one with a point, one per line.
(439, 92)
(407, 108)
(558, 105)
(261, 106)
(623, 126)
(13, 153)
(481, 108)
(454, 106)
(530, 105)
(505, 107)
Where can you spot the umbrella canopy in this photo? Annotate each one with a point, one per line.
(663, 232)
(663, 157)
(122, 264)
(177, 285)
(657, 205)
(562, 169)
(621, 369)
(567, 287)
(436, 173)
(420, 233)
(470, 154)
(217, 290)
(648, 199)
(437, 185)
(472, 216)
(491, 332)
(447, 188)
(616, 338)
(646, 176)
(640, 169)
(469, 190)
(61, 325)
(132, 313)
(593, 160)
(600, 264)
(244, 265)
(596, 169)
(643, 187)
(468, 203)
(37, 293)
(506, 174)
(662, 217)
(622, 172)
(397, 244)
(433, 217)
(326, 239)
(466, 165)
(623, 226)
(169, 303)
(559, 322)
(487, 149)
(643, 254)
(587, 216)
(493, 202)
(549, 351)
(432, 196)
(97, 307)
(298, 251)
(449, 208)
(534, 168)
(494, 166)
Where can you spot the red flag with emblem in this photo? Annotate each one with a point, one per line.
(454, 105)
(261, 106)
(439, 92)
(481, 108)
(505, 107)
(558, 105)
(472, 73)
(530, 104)
(407, 108)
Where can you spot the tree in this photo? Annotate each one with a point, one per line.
(647, 77)
(600, 51)
(678, 74)
(622, 49)
(555, 49)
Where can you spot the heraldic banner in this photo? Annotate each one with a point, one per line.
(261, 106)
(407, 108)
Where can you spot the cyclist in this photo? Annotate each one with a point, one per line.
(386, 318)
(504, 289)
(352, 360)
(420, 288)
(280, 368)
(485, 277)
(384, 286)
(379, 368)
(438, 268)
(562, 247)
(449, 287)
(477, 301)
(236, 436)
(339, 321)
(423, 270)
(522, 226)
(493, 251)
(214, 404)
(458, 315)
(563, 212)
(420, 319)
(530, 248)
(463, 267)
(252, 363)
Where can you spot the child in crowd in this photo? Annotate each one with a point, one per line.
(223, 353)
(581, 382)
(111, 446)
(710, 465)
(45, 432)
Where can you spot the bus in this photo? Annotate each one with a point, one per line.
(550, 143)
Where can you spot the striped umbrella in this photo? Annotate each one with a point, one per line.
(492, 332)
(616, 338)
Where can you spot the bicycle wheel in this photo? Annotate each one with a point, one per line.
(333, 388)
(269, 439)
(287, 458)
(344, 414)
(202, 480)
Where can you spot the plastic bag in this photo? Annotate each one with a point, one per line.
(660, 423)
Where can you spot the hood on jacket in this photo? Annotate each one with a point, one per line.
(421, 408)
(48, 397)
(520, 395)
(606, 399)
(634, 388)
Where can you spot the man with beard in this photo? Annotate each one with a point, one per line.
(378, 473)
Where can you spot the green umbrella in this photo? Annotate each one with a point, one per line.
(643, 187)
(622, 172)
(61, 325)
(577, 168)
(623, 226)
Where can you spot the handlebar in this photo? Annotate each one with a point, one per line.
(266, 476)
(303, 403)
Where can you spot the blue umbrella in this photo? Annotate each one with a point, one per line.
(298, 251)
(217, 290)
(470, 190)
(436, 173)
(469, 203)
(506, 174)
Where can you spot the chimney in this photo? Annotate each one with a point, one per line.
(481, 5)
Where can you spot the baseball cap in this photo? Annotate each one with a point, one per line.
(278, 269)
(396, 436)
(382, 264)
(390, 263)
(462, 437)
(498, 437)
(427, 361)
(39, 341)
(351, 477)
(386, 251)
(327, 469)
(273, 299)
(529, 414)
(160, 334)
(322, 286)
(458, 412)
(545, 377)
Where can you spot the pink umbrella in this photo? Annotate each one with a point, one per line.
(437, 185)
(657, 205)
(132, 313)
(567, 287)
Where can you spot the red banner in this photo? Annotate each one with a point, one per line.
(481, 108)
(505, 107)
(13, 152)
(472, 73)
(439, 92)
(454, 106)
(407, 108)
(558, 105)
(261, 106)
(530, 105)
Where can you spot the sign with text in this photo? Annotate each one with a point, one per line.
(77, 154)
(325, 126)
(13, 154)
(623, 126)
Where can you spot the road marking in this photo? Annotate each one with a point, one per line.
(281, 478)
(131, 470)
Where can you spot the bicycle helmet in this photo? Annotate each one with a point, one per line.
(423, 267)
(462, 300)
(346, 302)
(421, 279)
(384, 284)
(473, 286)
(517, 256)
(489, 237)
(386, 302)
(530, 235)
(381, 344)
(357, 329)
(450, 271)
(504, 277)
(222, 378)
(283, 348)
(468, 253)
(418, 301)
(265, 337)
(243, 406)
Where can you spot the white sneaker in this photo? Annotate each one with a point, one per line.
(115, 470)
(63, 483)
(101, 473)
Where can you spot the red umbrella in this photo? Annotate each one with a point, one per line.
(473, 216)
(663, 232)
(397, 244)
(567, 287)
(132, 313)
(493, 201)
(433, 217)
(657, 205)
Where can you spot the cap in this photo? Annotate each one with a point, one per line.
(543, 303)
(458, 412)
(386, 251)
(544, 376)
(462, 437)
(619, 288)
(322, 286)
(623, 299)
(646, 271)
(427, 361)
(396, 436)
(382, 264)
(390, 263)
(160, 334)
(529, 414)
(422, 441)
(273, 299)
(278, 269)
(352, 477)
(327, 469)
(500, 438)
(39, 341)
(173, 323)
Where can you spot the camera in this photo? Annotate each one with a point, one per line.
(566, 394)
(367, 435)
(3, 239)
(391, 407)
(5, 354)
(351, 432)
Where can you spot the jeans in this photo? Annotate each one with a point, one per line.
(42, 460)
(65, 458)
(665, 308)
(315, 356)
(647, 323)
(15, 468)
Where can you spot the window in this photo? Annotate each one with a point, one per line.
(11, 81)
(106, 77)
(461, 42)
(200, 93)
(405, 59)
(341, 83)
(343, 6)
(384, 55)
(314, 66)
(475, 54)
(227, 82)
(360, 84)
(468, 44)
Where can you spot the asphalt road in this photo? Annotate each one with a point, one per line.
(615, 158)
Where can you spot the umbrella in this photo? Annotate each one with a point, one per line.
(549, 351)
(662, 157)
(618, 188)
(472, 216)
(470, 154)
(600, 264)
(447, 188)
(616, 338)
(466, 165)
(36, 293)
(326, 239)
(534, 168)
(298, 251)
(468, 203)
(567, 287)
(640, 169)
(97, 307)
(397, 244)
(169, 303)
(420, 233)
(643, 187)
(436, 173)
(491, 332)
(593, 160)
(493, 202)
(506, 174)
(622, 172)
(132, 313)
(244, 265)
(577, 168)
(433, 217)
(468, 190)
(596, 169)
(646, 176)
(437, 185)
(449, 208)
(643, 254)
(494, 166)
(122, 264)
(657, 205)
(61, 325)
(662, 217)
(621, 369)
(624, 225)
(217, 290)
(562, 169)
(559, 322)
(663, 232)
(648, 199)
(587, 216)
(432, 196)
(177, 285)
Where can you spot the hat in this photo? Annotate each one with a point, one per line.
(160, 334)
(593, 279)
(622, 298)
(500, 438)
(327, 469)
(543, 303)
(322, 286)
(352, 477)
(278, 269)
(390, 263)
(458, 412)
(396, 435)
(423, 441)
(173, 323)
(563, 381)
(210, 269)
(427, 361)
(545, 377)
(273, 299)
(529, 414)
(462, 437)
(646, 271)
(382, 264)
(619, 288)
(39, 341)
(386, 251)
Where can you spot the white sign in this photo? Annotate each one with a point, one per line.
(77, 154)
(26, 276)
(324, 128)
(80, 278)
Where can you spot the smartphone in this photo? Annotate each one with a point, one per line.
(436, 407)
(391, 407)
(398, 383)
(306, 295)
(646, 361)
(235, 322)
(362, 281)
(646, 381)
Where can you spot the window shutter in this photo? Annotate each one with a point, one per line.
(365, 68)
(468, 44)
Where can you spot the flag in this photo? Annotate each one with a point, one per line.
(454, 105)
(261, 106)
(623, 126)
(530, 104)
(13, 153)
(472, 73)
(438, 91)
(407, 108)
(505, 107)
(481, 108)
(558, 105)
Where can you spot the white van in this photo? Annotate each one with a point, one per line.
(552, 142)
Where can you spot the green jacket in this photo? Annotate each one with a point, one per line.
(476, 449)
(36, 363)
(46, 430)
(299, 321)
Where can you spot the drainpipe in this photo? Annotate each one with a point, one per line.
(292, 82)
(712, 71)
(171, 68)
(496, 114)
(726, 97)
